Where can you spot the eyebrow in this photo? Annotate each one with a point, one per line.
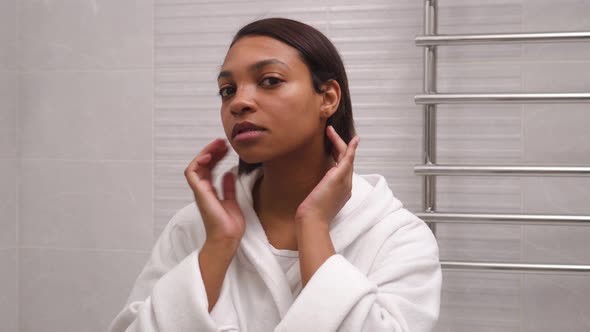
(254, 67)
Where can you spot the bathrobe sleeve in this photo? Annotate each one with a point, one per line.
(401, 292)
(169, 294)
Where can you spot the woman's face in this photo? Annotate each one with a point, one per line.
(268, 100)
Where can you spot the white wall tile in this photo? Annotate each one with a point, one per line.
(75, 290)
(9, 299)
(86, 34)
(8, 203)
(9, 87)
(87, 115)
(86, 204)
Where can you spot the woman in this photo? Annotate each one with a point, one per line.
(298, 241)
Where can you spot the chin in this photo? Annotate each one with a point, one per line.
(250, 157)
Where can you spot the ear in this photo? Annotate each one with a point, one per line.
(330, 98)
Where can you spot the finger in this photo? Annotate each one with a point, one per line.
(206, 150)
(212, 145)
(205, 161)
(348, 158)
(219, 151)
(345, 167)
(229, 186)
(339, 144)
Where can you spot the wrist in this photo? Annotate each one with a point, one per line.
(311, 221)
(222, 250)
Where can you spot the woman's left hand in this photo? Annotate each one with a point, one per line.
(335, 188)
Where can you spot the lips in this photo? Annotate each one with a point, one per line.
(244, 127)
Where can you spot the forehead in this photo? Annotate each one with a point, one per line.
(251, 49)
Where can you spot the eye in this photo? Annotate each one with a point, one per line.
(227, 91)
(270, 81)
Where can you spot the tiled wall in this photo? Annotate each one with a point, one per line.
(8, 167)
(83, 199)
(115, 97)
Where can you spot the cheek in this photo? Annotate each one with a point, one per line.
(225, 121)
(296, 104)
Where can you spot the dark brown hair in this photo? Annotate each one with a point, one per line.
(324, 64)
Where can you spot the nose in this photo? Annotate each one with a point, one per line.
(242, 101)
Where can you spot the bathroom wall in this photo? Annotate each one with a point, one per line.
(114, 98)
(8, 166)
(85, 160)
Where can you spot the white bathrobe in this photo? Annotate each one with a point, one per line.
(385, 275)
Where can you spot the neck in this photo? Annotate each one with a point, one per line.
(288, 181)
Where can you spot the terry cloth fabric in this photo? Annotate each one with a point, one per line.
(385, 275)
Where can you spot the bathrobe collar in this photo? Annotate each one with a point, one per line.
(370, 202)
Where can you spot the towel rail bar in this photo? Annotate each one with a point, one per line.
(505, 218)
(497, 38)
(502, 170)
(429, 170)
(501, 98)
(516, 267)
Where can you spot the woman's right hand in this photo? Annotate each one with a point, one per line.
(223, 219)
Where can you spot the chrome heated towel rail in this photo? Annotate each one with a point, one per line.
(430, 169)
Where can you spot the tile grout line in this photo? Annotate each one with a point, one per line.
(18, 301)
(153, 161)
(104, 250)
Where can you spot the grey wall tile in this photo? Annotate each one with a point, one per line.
(479, 243)
(86, 204)
(8, 203)
(478, 134)
(9, 87)
(489, 16)
(556, 134)
(556, 76)
(82, 35)
(9, 26)
(478, 194)
(87, 115)
(9, 299)
(458, 76)
(558, 195)
(549, 15)
(75, 290)
(557, 244)
(556, 303)
(553, 243)
(480, 301)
